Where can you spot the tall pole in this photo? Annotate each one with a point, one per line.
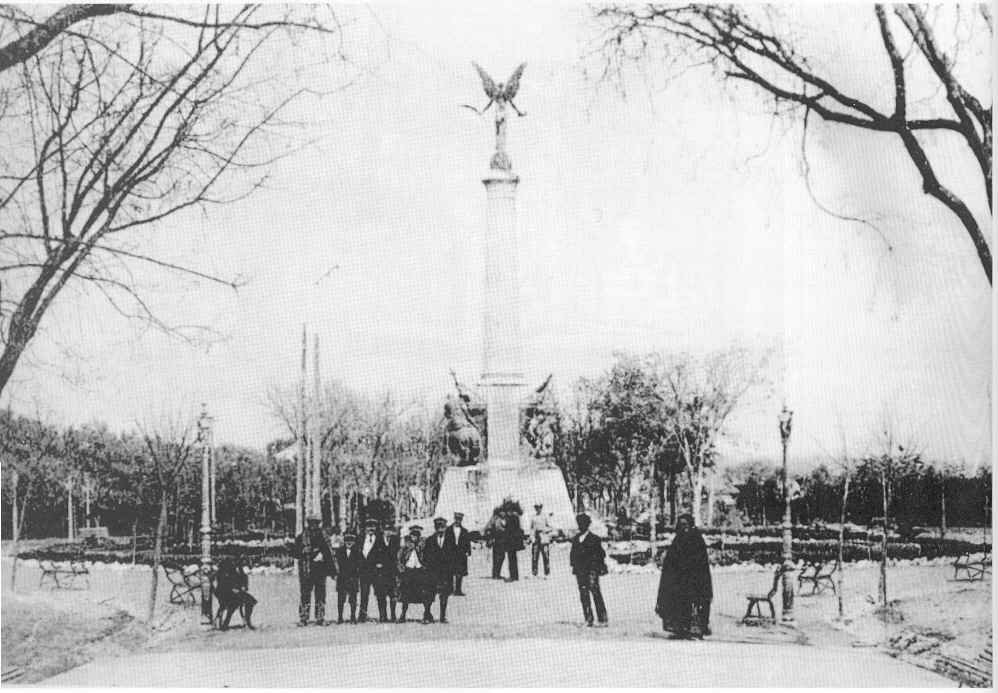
(300, 459)
(786, 419)
(70, 515)
(316, 434)
(204, 437)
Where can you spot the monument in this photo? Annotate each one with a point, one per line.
(477, 488)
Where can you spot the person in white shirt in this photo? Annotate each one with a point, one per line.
(459, 550)
(540, 534)
(413, 583)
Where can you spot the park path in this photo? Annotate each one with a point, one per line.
(508, 664)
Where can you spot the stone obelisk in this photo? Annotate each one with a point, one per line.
(477, 490)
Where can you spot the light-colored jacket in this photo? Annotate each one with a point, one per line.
(540, 528)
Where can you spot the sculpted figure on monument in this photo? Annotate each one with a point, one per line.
(500, 95)
(464, 424)
(541, 422)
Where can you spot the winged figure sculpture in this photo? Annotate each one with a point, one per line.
(500, 95)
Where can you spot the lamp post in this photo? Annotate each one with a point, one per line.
(786, 420)
(207, 488)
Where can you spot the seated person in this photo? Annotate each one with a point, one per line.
(231, 591)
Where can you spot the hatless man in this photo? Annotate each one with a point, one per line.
(540, 534)
(587, 558)
(373, 557)
(437, 561)
(460, 549)
(315, 564)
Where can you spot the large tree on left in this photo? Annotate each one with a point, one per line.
(113, 119)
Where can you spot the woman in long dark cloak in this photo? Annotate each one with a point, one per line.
(685, 590)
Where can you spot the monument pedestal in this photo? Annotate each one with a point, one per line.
(477, 490)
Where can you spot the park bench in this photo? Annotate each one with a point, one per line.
(185, 583)
(972, 567)
(976, 673)
(63, 574)
(11, 674)
(817, 574)
(755, 602)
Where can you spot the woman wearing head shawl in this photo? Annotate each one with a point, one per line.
(685, 590)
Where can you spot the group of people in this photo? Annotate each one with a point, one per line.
(504, 533)
(417, 570)
(399, 570)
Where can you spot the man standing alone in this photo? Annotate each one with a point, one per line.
(315, 564)
(460, 548)
(587, 559)
(540, 534)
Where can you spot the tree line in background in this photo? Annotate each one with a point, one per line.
(639, 441)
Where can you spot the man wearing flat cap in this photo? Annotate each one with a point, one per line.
(437, 559)
(315, 564)
(373, 557)
(458, 549)
(347, 580)
(388, 576)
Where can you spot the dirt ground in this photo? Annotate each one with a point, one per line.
(943, 615)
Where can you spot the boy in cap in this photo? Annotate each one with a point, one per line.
(412, 575)
(347, 580)
(437, 560)
(315, 564)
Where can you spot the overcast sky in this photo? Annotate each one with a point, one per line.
(671, 217)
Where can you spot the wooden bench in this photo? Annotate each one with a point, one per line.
(818, 575)
(972, 567)
(976, 672)
(11, 674)
(755, 601)
(63, 574)
(185, 583)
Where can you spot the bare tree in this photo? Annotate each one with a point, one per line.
(756, 45)
(111, 129)
(700, 395)
(169, 450)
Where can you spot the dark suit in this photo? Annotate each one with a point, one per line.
(315, 564)
(388, 576)
(513, 543)
(347, 580)
(372, 575)
(587, 558)
(458, 549)
(437, 560)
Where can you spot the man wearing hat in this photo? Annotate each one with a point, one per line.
(315, 564)
(388, 575)
(373, 558)
(413, 587)
(459, 548)
(437, 559)
(347, 576)
(540, 533)
(588, 562)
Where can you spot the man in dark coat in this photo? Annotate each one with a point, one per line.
(495, 535)
(514, 543)
(373, 557)
(388, 575)
(587, 558)
(347, 576)
(459, 543)
(437, 560)
(315, 564)
(685, 590)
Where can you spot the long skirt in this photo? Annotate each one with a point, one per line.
(690, 617)
(416, 586)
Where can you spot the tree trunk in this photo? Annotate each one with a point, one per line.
(697, 483)
(157, 554)
(653, 528)
(135, 538)
(15, 529)
(672, 499)
(942, 514)
(70, 519)
(711, 494)
(842, 540)
(883, 543)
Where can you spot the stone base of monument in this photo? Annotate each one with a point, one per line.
(477, 490)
